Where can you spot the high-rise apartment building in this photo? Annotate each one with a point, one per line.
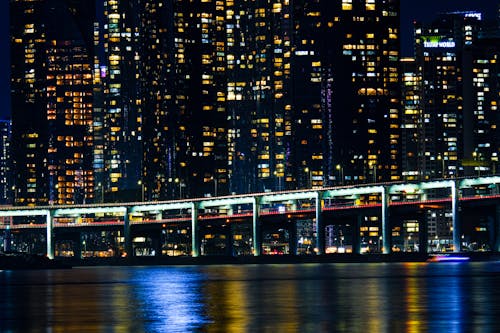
(450, 94)
(412, 121)
(117, 149)
(457, 64)
(163, 137)
(360, 78)
(52, 104)
(284, 95)
(481, 103)
(192, 98)
(69, 123)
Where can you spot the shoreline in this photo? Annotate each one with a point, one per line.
(285, 259)
(19, 261)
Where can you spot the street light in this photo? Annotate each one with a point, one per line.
(477, 164)
(372, 165)
(341, 173)
(101, 186)
(214, 178)
(309, 177)
(277, 174)
(141, 184)
(440, 158)
(181, 185)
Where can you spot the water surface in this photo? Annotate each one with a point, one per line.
(364, 297)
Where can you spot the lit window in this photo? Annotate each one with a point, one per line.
(346, 4)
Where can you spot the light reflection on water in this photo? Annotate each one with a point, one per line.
(411, 297)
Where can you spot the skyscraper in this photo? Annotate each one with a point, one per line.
(52, 107)
(117, 150)
(289, 95)
(481, 100)
(458, 65)
(360, 61)
(193, 98)
(161, 132)
(412, 121)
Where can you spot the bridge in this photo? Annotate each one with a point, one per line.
(439, 215)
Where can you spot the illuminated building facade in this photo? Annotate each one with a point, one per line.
(230, 70)
(309, 122)
(200, 86)
(160, 103)
(28, 98)
(259, 98)
(360, 62)
(439, 55)
(182, 98)
(412, 134)
(458, 65)
(481, 104)
(117, 155)
(265, 100)
(69, 121)
(449, 111)
(51, 84)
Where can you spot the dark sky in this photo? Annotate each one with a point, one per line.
(420, 10)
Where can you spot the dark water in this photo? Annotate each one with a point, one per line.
(408, 297)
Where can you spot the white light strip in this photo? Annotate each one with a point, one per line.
(246, 198)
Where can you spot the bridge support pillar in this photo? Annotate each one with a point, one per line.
(320, 224)
(386, 225)
(497, 229)
(7, 240)
(256, 230)
(127, 234)
(455, 216)
(195, 234)
(50, 234)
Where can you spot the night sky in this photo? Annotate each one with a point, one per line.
(420, 10)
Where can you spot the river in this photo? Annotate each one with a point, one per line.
(348, 297)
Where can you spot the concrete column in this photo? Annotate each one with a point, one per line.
(257, 237)
(497, 229)
(455, 215)
(320, 226)
(7, 239)
(195, 236)
(127, 234)
(386, 226)
(50, 234)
